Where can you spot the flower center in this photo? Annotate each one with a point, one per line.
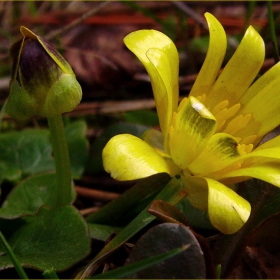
(232, 123)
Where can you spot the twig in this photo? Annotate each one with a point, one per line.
(88, 211)
(96, 194)
(4, 83)
(190, 12)
(110, 107)
(79, 20)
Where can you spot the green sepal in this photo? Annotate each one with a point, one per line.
(62, 97)
(43, 83)
(18, 96)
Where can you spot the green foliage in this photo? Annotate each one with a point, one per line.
(29, 152)
(53, 239)
(171, 192)
(102, 232)
(25, 152)
(78, 147)
(154, 214)
(32, 193)
(8, 250)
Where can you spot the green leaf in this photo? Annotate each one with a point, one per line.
(189, 264)
(95, 163)
(9, 227)
(126, 203)
(129, 269)
(29, 152)
(9, 171)
(172, 193)
(30, 195)
(78, 147)
(26, 152)
(53, 239)
(101, 232)
(12, 257)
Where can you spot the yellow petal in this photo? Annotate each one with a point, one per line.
(127, 157)
(239, 72)
(214, 58)
(228, 211)
(260, 84)
(160, 58)
(269, 151)
(197, 191)
(272, 143)
(268, 172)
(221, 151)
(263, 107)
(191, 128)
(155, 139)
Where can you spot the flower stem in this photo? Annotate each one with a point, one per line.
(61, 159)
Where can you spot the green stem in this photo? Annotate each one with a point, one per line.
(13, 258)
(272, 31)
(62, 160)
(50, 274)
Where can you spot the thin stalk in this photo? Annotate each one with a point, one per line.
(13, 258)
(50, 274)
(61, 159)
(272, 31)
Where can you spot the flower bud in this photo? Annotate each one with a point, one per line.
(43, 83)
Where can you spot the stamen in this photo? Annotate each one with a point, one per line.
(220, 124)
(244, 149)
(223, 115)
(237, 123)
(233, 110)
(201, 98)
(249, 139)
(238, 139)
(217, 175)
(171, 127)
(181, 104)
(219, 107)
(249, 148)
(241, 149)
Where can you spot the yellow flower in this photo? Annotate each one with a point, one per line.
(212, 138)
